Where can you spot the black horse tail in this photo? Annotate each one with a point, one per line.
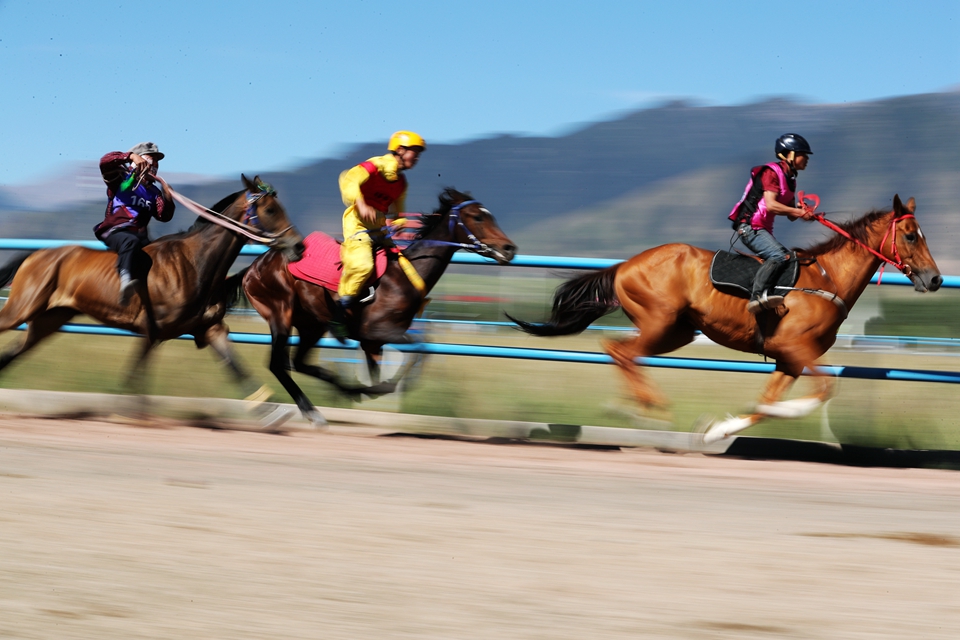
(577, 303)
(10, 269)
(233, 288)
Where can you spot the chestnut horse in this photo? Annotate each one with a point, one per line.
(667, 293)
(185, 285)
(287, 303)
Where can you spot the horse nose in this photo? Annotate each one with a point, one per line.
(509, 251)
(299, 248)
(935, 282)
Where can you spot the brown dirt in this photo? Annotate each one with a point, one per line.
(113, 531)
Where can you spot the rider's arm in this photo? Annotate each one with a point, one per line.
(775, 207)
(113, 168)
(350, 182)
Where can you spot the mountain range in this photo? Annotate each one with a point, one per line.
(613, 188)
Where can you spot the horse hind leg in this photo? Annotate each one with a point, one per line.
(38, 329)
(653, 339)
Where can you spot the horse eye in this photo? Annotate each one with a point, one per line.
(910, 237)
(270, 210)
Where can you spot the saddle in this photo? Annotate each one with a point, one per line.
(321, 263)
(733, 273)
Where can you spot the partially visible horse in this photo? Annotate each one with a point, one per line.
(184, 292)
(286, 302)
(667, 293)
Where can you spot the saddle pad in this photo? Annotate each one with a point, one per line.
(734, 272)
(321, 264)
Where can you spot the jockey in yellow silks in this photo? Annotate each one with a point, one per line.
(374, 192)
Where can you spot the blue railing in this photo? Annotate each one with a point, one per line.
(542, 262)
(550, 262)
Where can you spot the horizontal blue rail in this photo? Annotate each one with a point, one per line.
(583, 357)
(543, 262)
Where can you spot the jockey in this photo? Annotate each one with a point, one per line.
(770, 193)
(374, 192)
(133, 198)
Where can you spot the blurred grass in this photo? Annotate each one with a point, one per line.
(868, 413)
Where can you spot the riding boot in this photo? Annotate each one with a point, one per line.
(766, 277)
(341, 316)
(127, 287)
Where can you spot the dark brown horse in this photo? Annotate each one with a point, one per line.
(287, 303)
(185, 286)
(666, 292)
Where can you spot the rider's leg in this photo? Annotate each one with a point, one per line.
(127, 244)
(775, 258)
(356, 254)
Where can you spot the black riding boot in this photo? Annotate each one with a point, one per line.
(338, 324)
(766, 277)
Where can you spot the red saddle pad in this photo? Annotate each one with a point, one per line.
(321, 261)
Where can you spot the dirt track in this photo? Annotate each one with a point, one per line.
(112, 531)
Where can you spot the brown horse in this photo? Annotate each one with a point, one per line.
(185, 286)
(287, 303)
(667, 293)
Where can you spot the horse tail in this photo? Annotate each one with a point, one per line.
(9, 270)
(577, 303)
(233, 288)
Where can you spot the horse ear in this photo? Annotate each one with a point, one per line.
(251, 186)
(897, 205)
(911, 205)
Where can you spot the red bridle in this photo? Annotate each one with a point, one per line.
(891, 231)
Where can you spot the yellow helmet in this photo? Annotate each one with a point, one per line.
(406, 139)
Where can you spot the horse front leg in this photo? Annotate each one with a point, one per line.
(280, 365)
(798, 407)
(218, 338)
(778, 384)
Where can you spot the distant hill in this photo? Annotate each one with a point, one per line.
(658, 175)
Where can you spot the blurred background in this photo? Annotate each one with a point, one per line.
(593, 131)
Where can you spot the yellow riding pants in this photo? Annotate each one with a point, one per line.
(356, 252)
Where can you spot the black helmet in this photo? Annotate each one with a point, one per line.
(791, 142)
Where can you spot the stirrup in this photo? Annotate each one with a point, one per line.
(370, 296)
(771, 301)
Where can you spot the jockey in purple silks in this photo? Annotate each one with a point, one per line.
(134, 197)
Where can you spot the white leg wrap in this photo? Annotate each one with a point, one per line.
(725, 429)
(796, 408)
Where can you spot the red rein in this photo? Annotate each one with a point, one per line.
(814, 202)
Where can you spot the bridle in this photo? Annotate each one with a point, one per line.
(891, 233)
(249, 227)
(454, 221)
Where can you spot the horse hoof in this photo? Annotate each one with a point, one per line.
(317, 421)
(275, 418)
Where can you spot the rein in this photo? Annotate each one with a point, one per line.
(891, 231)
(254, 233)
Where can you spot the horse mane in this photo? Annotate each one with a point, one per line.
(202, 223)
(448, 197)
(856, 228)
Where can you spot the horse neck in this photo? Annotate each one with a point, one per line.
(215, 249)
(431, 260)
(851, 266)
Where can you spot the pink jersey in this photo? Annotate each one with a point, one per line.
(761, 218)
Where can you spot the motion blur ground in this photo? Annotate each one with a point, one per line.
(119, 532)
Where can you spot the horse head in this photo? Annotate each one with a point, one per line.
(474, 227)
(265, 213)
(908, 246)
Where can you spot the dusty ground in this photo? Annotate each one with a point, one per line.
(114, 531)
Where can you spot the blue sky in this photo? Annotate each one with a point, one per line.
(224, 87)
